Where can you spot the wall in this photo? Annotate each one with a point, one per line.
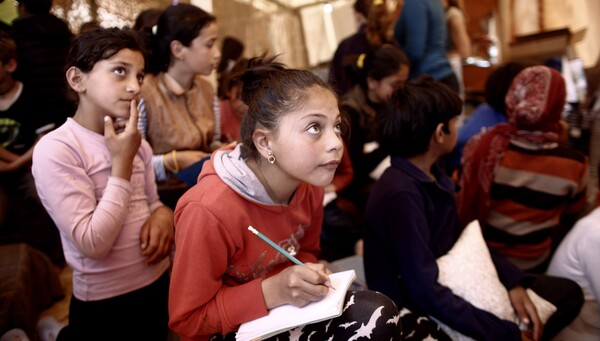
(276, 33)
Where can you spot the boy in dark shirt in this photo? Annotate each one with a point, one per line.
(412, 220)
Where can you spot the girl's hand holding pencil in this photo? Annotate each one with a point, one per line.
(297, 285)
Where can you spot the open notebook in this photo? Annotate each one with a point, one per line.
(286, 317)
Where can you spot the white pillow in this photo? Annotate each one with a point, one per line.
(467, 269)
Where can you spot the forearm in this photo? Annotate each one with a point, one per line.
(7, 156)
(19, 163)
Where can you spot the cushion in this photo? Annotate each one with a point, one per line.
(467, 269)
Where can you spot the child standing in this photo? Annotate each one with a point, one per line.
(96, 183)
(223, 275)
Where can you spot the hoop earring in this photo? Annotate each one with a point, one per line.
(271, 157)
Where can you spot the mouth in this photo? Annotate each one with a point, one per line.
(331, 164)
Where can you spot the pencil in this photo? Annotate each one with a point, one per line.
(278, 248)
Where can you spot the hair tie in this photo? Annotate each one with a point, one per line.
(360, 62)
(154, 29)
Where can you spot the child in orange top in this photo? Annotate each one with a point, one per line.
(223, 275)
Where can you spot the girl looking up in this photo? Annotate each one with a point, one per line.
(224, 275)
(94, 177)
(176, 110)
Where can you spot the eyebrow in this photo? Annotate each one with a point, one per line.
(319, 116)
(122, 63)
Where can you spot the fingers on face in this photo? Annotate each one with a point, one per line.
(109, 129)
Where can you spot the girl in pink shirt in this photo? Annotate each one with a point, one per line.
(94, 177)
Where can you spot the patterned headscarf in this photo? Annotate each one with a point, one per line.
(534, 104)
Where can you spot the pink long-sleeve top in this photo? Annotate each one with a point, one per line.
(99, 217)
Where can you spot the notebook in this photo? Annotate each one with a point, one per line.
(286, 317)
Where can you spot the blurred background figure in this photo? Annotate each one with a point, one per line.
(231, 106)
(43, 41)
(459, 43)
(146, 19)
(576, 259)
(374, 29)
(489, 113)
(421, 33)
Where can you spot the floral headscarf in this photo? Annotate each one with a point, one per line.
(534, 104)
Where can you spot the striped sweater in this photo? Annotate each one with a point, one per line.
(533, 186)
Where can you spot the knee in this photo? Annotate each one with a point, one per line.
(574, 293)
(568, 295)
(372, 300)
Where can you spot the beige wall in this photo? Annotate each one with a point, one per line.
(573, 14)
(589, 47)
(277, 33)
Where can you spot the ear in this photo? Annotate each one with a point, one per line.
(11, 65)
(439, 134)
(262, 140)
(75, 78)
(371, 83)
(176, 49)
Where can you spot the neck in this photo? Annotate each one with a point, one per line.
(185, 79)
(371, 96)
(424, 162)
(87, 118)
(280, 189)
(8, 88)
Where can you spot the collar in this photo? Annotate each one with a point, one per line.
(172, 85)
(442, 181)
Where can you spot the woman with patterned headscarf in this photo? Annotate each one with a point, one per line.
(518, 180)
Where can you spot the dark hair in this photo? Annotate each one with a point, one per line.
(8, 48)
(413, 114)
(98, 44)
(36, 6)
(498, 83)
(231, 51)
(271, 90)
(453, 3)
(377, 64)
(181, 22)
(88, 26)
(362, 7)
(379, 26)
(231, 78)
(146, 19)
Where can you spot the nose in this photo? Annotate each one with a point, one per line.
(133, 85)
(217, 54)
(334, 141)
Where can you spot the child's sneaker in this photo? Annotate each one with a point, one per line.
(15, 334)
(48, 328)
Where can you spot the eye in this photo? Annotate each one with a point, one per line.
(140, 78)
(119, 71)
(338, 127)
(314, 129)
